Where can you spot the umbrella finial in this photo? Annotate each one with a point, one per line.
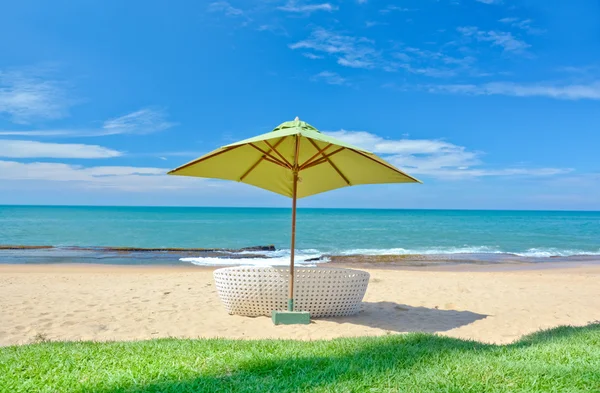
(297, 118)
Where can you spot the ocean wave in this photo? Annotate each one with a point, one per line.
(307, 258)
(426, 251)
(531, 252)
(554, 252)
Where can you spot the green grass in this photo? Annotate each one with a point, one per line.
(565, 359)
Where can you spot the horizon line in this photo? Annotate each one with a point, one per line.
(299, 208)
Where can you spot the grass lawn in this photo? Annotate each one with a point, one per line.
(564, 359)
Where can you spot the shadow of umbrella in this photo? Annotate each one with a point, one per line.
(402, 318)
(402, 361)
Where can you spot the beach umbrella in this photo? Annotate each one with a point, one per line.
(295, 160)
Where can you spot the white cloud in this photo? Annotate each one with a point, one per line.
(143, 121)
(506, 40)
(562, 91)
(430, 63)
(490, 1)
(355, 63)
(434, 158)
(361, 52)
(372, 23)
(294, 6)
(34, 149)
(57, 132)
(224, 7)
(331, 78)
(134, 179)
(275, 28)
(428, 71)
(587, 72)
(523, 24)
(392, 8)
(312, 56)
(28, 95)
(350, 51)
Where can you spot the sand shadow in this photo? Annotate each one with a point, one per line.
(402, 318)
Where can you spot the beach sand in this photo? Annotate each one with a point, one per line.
(101, 302)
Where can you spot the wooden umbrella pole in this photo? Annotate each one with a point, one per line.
(293, 246)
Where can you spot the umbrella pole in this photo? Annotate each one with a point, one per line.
(293, 246)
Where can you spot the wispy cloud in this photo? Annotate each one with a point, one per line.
(350, 51)
(523, 24)
(55, 132)
(506, 40)
(142, 121)
(312, 56)
(360, 52)
(225, 7)
(331, 78)
(435, 158)
(431, 63)
(428, 71)
(124, 178)
(301, 8)
(29, 95)
(33, 149)
(394, 8)
(274, 28)
(490, 1)
(554, 90)
(587, 72)
(373, 23)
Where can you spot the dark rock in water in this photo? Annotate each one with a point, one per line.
(317, 259)
(23, 247)
(269, 247)
(174, 249)
(138, 253)
(259, 248)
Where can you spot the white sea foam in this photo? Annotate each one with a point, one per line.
(554, 252)
(428, 251)
(273, 258)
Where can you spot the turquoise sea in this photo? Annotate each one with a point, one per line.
(78, 233)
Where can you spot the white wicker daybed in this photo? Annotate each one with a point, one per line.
(322, 291)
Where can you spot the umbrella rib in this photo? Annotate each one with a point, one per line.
(322, 159)
(258, 162)
(386, 165)
(307, 162)
(274, 148)
(330, 162)
(268, 154)
(274, 162)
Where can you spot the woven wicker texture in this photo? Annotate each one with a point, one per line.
(322, 291)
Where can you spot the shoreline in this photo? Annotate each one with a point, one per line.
(447, 266)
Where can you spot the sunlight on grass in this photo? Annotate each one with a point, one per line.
(565, 359)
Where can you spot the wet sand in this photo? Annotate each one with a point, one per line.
(497, 303)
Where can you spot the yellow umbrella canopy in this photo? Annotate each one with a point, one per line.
(295, 160)
(270, 160)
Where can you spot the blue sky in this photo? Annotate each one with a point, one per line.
(492, 103)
